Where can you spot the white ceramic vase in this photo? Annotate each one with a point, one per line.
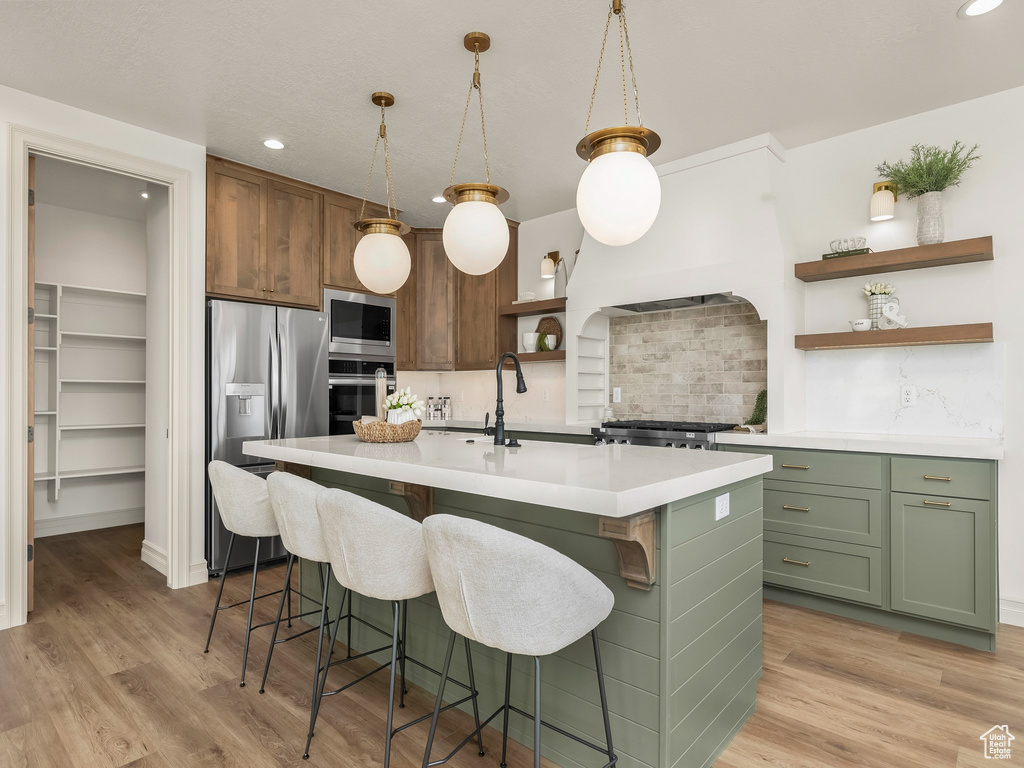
(930, 228)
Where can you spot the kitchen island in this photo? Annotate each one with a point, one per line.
(676, 536)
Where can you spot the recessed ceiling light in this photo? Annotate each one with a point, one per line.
(977, 7)
(273, 144)
(438, 199)
(144, 195)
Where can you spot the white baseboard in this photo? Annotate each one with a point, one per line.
(1011, 612)
(154, 556)
(91, 521)
(198, 573)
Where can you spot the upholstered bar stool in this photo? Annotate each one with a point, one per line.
(293, 501)
(521, 597)
(244, 505)
(378, 553)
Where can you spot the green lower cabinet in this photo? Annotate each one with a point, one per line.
(832, 568)
(942, 559)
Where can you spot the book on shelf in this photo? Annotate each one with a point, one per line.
(840, 254)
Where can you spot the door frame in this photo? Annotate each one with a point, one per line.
(24, 140)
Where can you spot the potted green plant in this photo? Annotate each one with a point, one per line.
(929, 171)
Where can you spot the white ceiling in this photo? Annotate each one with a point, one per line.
(231, 73)
(84, 188)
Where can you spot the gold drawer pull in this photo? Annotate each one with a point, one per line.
(937, 477)
(795, 466)
(796, 562)
(796, 509)
(939, 503)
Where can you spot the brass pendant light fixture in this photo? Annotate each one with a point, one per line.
(381, 258)
(475, 233)
(619, 194)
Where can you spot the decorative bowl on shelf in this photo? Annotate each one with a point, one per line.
(383, 432)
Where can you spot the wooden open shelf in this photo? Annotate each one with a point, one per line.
(916, 257)
(528, 308)
(539, 357)
(974, 333)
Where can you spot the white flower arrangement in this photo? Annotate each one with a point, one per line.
(404, 400)
(879, 289)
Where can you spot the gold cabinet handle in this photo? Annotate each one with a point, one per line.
(796, 509)
(804, 563)
(937, 477)
(939, 503)
(795, 466)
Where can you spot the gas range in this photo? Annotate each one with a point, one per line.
(668, 434)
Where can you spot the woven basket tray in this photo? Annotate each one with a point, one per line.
(382, 432)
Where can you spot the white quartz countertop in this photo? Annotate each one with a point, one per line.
(916, 445)
(513, 426)
(610, 480)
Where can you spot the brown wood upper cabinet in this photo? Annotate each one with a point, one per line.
(263, 236)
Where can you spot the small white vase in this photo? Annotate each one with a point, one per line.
(396, 416)
(930, 227)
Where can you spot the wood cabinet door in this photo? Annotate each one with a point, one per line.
(943, 559)
(293, 258)
(236, 232)
(405, 315)
(476, 327)
(435, 305)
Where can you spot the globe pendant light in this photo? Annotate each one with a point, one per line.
(475, 233)
(381, 258)
(619, 194)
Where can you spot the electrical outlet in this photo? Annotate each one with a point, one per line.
(721, 506)
(616, 394)
(908, 396)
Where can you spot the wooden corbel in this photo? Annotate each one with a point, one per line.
(636, 542)
(419, 498)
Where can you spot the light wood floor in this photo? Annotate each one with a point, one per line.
(109, 671)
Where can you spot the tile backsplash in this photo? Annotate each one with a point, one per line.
(693, 364)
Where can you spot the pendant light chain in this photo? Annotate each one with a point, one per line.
(475, 84)
(389, 181)
(625, 54)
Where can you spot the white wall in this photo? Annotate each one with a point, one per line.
(23, 109)
(832, 181)
(90, 249)
(158, 232)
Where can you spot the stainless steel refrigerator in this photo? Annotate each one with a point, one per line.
(267, 378)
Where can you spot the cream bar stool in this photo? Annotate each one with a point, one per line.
(244, 506)
(293, 501)
(521, 597)
(378, 553)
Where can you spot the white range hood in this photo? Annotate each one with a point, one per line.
(721, 230)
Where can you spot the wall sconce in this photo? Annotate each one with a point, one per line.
(883, 201)
(549, 265)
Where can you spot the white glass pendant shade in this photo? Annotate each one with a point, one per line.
(883, 205)
(547, 268)
(382, 262)
(618, 197)
(475, 236)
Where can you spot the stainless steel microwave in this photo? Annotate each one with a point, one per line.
(361, 324)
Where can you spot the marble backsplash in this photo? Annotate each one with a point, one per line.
(695, 364)
(959, 390)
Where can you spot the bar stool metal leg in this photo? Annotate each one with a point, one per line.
(252, 601)
(504, 727)
(395, 639)
(286, 594)
(220, 592)
(604, 700)
(476, 706)
(437, 703)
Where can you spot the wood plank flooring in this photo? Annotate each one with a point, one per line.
(110, 671)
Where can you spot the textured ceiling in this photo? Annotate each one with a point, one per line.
(84, 188)
(229, 73)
